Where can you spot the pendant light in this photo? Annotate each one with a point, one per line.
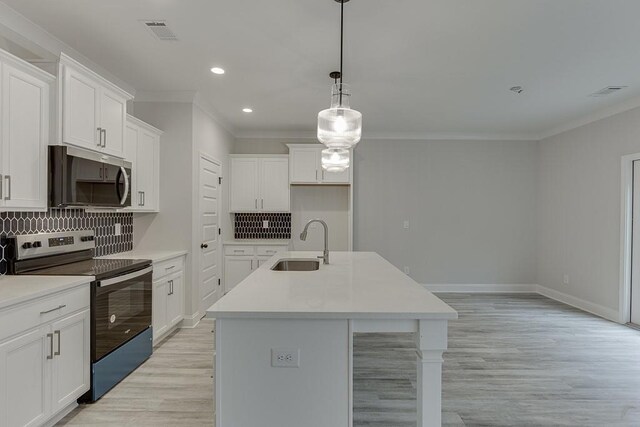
(339, 127)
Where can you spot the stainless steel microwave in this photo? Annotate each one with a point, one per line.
(83, 178)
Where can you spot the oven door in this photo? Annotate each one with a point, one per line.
(121, 309)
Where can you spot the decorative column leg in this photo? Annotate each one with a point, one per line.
(431, 342)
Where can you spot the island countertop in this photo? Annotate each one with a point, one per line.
(355, 285)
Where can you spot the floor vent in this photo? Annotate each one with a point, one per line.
(161, 30)
(607, 91)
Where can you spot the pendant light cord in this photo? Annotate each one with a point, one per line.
(341, 44)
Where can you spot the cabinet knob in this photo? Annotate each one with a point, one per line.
(204, 246)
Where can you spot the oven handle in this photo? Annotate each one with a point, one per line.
(124, 278)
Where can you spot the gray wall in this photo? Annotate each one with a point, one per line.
(579, 207)
(470, 207)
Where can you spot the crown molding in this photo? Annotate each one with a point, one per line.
(206, 107)
(180, 96)
(593, 117)
(36, 39)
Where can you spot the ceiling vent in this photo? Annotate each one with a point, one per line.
(161, 30)
(607, 91)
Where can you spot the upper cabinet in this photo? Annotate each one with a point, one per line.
(142, 149)
(93, 110)
(24, 123)
(305, 166)
(259, 184)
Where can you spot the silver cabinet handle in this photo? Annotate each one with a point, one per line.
(251, 264)
(60, 307)
(256, 203)
(144, 199)
(323, 174)
(239, 250)
(271, 252)
(106, 173)
(170, 287)
(171, 267)
(99, 137)
(262, 203)
(8, 178)
(104, 141)
(100, 173)
(50, 356)
(57, 353)
(316, 174)
(1, 188)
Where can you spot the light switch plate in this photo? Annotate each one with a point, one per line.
(265, 223)
(118, 229)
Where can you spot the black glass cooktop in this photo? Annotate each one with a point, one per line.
(100, 268)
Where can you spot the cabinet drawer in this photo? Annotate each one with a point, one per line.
(270, 250)
(25, 316)
(239, 250)
(169, 266)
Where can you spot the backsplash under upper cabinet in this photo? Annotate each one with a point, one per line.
(251, 226)
(55, 220)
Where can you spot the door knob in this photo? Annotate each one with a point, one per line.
(204, 246)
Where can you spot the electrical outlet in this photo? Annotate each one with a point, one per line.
(285, 358)
(565, 279)
(118, 229)
(265, 223)
(405, 225)
(406, 270)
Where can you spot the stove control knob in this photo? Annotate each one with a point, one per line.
(37, 244)
(26, 245)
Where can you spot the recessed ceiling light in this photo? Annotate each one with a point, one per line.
(247, 110)
(217, 70)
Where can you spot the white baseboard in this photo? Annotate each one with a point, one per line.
(482, 288)
(191, 321)
(60, 415)
(579, 303)
(597, 309)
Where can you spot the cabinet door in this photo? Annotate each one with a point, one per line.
(236, 269)
(80, 110)
(71, 360)
(175, 300)
(243, 196)
(131, 136)
(262, 260)
(25, 132)
(336, 177)
(113, 111)
(146, 156)
(304, 165)
(159, 307)
(25, 379)
(274, 185)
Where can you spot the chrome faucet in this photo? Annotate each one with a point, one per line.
(325, 253)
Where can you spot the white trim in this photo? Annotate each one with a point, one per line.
(144, 125)
(597, 309)
(189, 322)
(593, 117)
(206, 107)
(482, 288)
(181, 96)
(626, 216)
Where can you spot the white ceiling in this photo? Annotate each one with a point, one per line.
(416, 67)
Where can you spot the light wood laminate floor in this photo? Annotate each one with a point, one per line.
(513, 360)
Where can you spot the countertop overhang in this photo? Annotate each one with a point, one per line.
(355, 285)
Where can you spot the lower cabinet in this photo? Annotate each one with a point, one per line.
(168, 296)
(240, 261)
(45, 369)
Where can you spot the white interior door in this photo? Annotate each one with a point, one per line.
(635, 248)
(210, 245)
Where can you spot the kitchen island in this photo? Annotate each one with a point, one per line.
(284, 340)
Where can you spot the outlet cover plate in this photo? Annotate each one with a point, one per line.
(118, 229)
(285, 357)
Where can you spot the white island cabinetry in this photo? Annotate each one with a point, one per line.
(285, 339)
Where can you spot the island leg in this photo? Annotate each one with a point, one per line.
(431, 342)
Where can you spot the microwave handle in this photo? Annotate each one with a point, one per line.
(122, 172)
(124, 278)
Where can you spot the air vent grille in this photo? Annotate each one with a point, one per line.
(607, 91)
(161, 30)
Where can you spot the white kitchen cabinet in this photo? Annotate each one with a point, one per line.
(94, 110)
(241, 260)
(168, 296)
(259, 184)
(142, 149)
(24, 92)
(305, 166)
(44, 357)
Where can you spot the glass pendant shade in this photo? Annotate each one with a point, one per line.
(335, 159)
(339, 126)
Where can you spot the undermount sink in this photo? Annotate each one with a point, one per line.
(296, 265)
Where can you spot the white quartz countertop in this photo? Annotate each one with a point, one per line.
(355, 285)
(257, 242)
(154, 256)
(17, 289)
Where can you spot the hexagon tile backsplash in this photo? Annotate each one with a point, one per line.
(250, 226)
(56, 220)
